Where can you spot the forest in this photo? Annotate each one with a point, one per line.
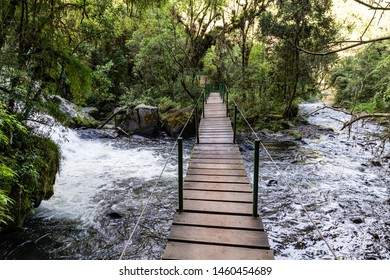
(271, 55)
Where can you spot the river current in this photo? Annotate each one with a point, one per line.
(106, 181)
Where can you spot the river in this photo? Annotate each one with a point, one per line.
(105, 183)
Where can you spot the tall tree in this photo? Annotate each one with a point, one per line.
(199, 20)
(244, 15)
(299, 24)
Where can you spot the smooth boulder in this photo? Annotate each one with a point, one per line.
(141, 120)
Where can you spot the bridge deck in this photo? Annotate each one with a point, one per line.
(217, 220)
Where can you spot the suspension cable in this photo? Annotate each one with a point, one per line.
(157, 182)
(287, 182)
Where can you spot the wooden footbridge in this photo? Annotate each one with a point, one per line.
(217, 217)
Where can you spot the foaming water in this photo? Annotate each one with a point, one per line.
(90, 167)
(332, 173)
(103, 186)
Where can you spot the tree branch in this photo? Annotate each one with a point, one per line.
(360, 43)
(372, 7)
(364, 116)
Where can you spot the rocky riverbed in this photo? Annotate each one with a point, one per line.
(106, 181)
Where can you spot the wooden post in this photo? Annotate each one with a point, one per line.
(203, 104)
(221, 92)
(235, 125)
(206, 93)
(196, 124)
(227, 104)
(180, 168)
(256, 179)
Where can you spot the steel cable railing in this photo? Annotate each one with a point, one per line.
(178, 140)
(281, 172)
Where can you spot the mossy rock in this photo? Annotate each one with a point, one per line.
(295, 134)
(78, 116)
(174, 121)
(36, 166)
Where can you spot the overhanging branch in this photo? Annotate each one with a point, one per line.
(364, 116)
(372, 7)
(360, 43)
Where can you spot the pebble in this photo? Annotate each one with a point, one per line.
(373, 234)
(376, 163)
(115, 215)
(271, 183)
(357, 220)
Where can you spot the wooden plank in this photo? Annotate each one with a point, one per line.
(218, 172)
(215, 120)
(215, 140)
(235, 237)
(217, 160)
(213, 135)
(218, 207)
(217, 186)
(188, 251)
(211, 122)
(216, 179)
(215, 154)
(215, 111)
(217, 147)
(216, 150)
(204, 132)
(222, 128)
(205, 127)
(218, 196)
(222, 221)
(216, 166)
(217, 134)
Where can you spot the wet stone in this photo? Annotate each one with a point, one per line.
(376, 163)
(361, 169)
(374, 235)
(115, 215)
(357, 220)
(271, 183)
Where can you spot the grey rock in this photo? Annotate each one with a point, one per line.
(357, 220)
(141, 120)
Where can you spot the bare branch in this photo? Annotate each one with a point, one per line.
(364, 116)
(372, 7)
(368, 25)
(360, 43)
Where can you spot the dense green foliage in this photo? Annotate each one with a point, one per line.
(28, 166)
(108, 53)
(362, 81)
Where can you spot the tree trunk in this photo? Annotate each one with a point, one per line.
(288, 111)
